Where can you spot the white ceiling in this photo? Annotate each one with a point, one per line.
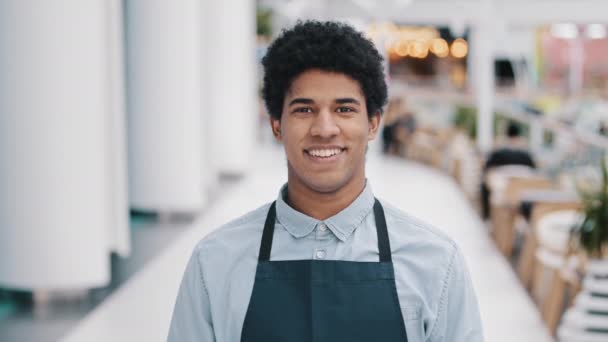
(510, 12)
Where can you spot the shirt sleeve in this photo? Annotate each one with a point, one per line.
(458, 318)
(192, 314)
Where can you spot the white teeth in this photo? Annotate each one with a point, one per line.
(325, 153)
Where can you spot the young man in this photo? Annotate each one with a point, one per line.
(326, 261)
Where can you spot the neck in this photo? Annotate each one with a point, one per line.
(322, 205)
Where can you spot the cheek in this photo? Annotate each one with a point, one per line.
(293, 131)
(357, 133)
(290, 140)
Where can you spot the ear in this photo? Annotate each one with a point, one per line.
(374, 125)
(275, 125)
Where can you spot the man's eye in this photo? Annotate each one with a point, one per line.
(303, 110)
(344, 110)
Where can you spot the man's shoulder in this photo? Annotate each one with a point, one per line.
(237, 233)
(409, 230)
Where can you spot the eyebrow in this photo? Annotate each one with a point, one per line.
(311, 101)
(347, 100)
(301, 101)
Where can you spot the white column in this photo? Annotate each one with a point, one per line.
(54, 210)
(232, 108)
(483, 80)
(208, 172)
(119, 234)
(164, 104)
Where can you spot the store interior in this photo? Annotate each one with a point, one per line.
(129, 130)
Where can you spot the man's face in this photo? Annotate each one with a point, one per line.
(325, 129)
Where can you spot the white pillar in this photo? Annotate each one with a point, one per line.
(164, 104)
(232, 110)
(483, 80)
(119, 233)
(54, 179)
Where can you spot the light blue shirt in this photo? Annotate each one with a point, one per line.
(435, 292)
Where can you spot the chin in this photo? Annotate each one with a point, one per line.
(326, 185)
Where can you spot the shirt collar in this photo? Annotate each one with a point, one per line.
(343, 224)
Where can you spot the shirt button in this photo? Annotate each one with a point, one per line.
(322, 227)
(320, 254)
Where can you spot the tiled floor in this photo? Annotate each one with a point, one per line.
(140, 310)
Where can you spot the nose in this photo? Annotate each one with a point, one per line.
(324, 125)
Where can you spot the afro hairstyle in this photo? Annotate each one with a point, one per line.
(328, 46)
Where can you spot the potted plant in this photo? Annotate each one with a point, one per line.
(591, 240)
(593, 231)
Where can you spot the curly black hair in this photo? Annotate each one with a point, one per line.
(328, 46)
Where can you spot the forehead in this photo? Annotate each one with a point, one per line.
(323, 84)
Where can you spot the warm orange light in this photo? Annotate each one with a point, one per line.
(402, 49)
(440, 47)
(419, 49)
(459, 48)
(424, 53)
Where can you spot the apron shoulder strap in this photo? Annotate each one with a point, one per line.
(384, 245)
(268, 233)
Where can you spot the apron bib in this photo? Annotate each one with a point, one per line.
(324, 300)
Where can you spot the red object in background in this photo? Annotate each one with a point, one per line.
(556, 53)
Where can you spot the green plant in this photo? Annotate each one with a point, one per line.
(264, 22)
(593, 232)
(465, 118)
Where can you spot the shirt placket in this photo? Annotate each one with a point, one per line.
(323, 237)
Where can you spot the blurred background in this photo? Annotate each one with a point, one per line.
(130, 129)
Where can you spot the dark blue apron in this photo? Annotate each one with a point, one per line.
(324, 301)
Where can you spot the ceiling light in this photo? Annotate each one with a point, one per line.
(402, 48)
(459, 48)
(595, 31)
(439, 47)
(564, 31)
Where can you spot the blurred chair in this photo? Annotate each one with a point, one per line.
(552, 256)
(542, 206)
(507, 184)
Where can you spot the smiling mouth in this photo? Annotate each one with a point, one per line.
(325, 153)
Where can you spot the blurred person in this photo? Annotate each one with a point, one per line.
(326, 261)
(390, 117)
(404, 129)
(513, 152)
(399, 125)
(603, 130)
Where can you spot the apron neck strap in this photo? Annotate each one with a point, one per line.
(384, 246)
(268, 233)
